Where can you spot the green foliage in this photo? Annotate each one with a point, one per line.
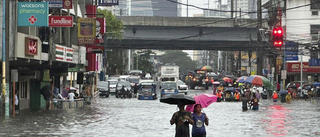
(179, 58)
(144, 63)
(113, 26)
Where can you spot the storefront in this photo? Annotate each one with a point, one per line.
(309, 73)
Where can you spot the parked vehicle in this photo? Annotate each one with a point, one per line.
(124, 77)
(102, 87)
(148, 76)
(182, 85)
(169, 88)
(113, 84)
(127, 93)
(147, 91)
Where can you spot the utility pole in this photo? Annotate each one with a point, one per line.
(260, 53)
(5, 60)
(232, 9)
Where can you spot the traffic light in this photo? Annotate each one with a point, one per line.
(278, 37)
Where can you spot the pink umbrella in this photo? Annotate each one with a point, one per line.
(204, 100)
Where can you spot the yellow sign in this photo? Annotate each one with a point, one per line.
(46, 75)
(86, 28)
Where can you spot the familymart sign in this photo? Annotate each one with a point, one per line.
(33, 13)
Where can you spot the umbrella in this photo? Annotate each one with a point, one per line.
(177, 98)
(226, 79)
(258, 81)
(241, 79)
(204, 100)
(71, 88)
(46, 92)
(207, 68)
(317, 84)
(283, 92)
(216, 83)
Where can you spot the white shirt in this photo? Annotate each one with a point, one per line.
(71, 96)
(16, 100)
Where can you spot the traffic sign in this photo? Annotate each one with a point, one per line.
(283, 74)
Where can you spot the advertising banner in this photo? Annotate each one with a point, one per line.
(67, 4)
(60, 21)
(58, 4)
(64, 54)
(100, 29)
(108, 2)
(33, 13)
(295, 67)
(86, 28)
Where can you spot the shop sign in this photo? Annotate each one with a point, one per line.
(94, 49)
(295, 67)
(67, 4)
(64, 54)
(58, 4)
(86, 28)
(60, 21)
(31, 46)
(108, 2)
(33, 14)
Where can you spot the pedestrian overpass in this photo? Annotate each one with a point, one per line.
(186, 33)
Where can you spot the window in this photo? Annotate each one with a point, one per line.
(315, 5)
(23, 86)
(314, 29)
(314, 13)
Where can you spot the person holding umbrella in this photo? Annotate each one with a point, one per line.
(182, 119)
(198, 129)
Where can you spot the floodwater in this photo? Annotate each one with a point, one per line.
(114, 117)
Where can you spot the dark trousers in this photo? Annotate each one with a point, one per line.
(198, 135)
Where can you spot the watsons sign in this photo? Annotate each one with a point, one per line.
(60, 21)
(33, 13)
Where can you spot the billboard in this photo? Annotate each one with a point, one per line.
(55, 4)
(33, 13)
(100, 29)
(86, 28)
(291, 49)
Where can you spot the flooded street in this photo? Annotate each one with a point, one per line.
(114, 117)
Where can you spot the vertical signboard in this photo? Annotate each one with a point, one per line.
(33, 14)
(31, 46)
(291, 51)
(100, 29)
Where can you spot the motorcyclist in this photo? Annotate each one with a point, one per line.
(122, 91)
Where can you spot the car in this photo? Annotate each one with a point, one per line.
(113, 84)
(182, 85)
(124, 77)
(103, 89)
(169, 87)
(114, 78)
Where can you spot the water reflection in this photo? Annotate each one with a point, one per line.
(278, 120)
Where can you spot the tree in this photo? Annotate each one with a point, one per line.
(181, 59)
(144, 63)
(114, 27)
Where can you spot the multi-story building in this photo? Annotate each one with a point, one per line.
(147, 8)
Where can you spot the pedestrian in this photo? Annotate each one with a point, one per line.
(255, 102)
(258, 95)
(182, 119)
(237, 96)
(219, 96)
(275, 96)
(199, 118)
(16, 103)
(135, 89)
(71, 96)
(245, 101)
(288, 98)
(278, 87)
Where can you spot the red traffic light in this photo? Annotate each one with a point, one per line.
(278, 32)
(278, 43)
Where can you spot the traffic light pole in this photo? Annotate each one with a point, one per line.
(260, 53)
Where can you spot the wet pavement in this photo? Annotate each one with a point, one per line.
(114, 117)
